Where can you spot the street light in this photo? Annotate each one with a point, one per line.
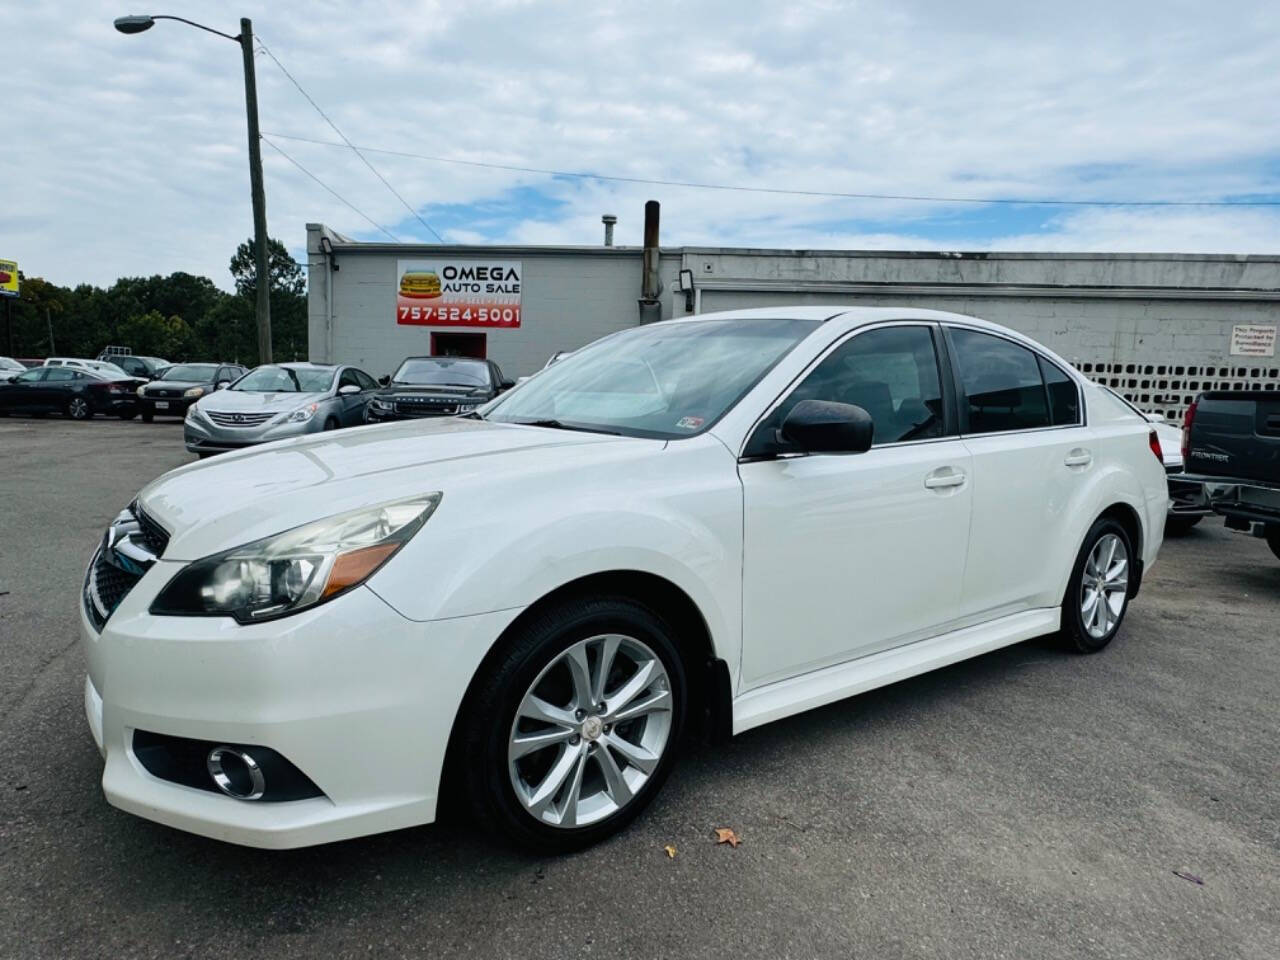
(138, 24)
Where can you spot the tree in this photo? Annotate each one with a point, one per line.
(288, 297)
(152, 334)
(286, 274)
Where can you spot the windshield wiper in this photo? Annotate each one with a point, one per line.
(561, 425)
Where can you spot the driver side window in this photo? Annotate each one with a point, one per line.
(891, 372)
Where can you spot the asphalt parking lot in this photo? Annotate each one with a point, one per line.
(1027, 804)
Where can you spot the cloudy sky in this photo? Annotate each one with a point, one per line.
(125, 155)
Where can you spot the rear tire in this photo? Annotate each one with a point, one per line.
(596, 770)
(78, 409)
(1176, 526)
(147, 416)
(1098, 591)
(125, 415)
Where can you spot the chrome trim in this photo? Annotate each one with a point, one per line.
(257, 782)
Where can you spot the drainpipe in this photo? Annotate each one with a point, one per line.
(608, 220)
(650, 285)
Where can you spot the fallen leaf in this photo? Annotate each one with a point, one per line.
(725, 835)
(1189, 876)
(671, 851)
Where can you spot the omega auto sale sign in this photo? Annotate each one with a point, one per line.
(458, 293)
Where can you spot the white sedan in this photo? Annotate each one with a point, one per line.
(707, 523)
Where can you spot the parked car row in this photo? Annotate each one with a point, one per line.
(77, 392)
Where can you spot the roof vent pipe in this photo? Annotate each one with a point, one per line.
(608, 220)
(650, 285)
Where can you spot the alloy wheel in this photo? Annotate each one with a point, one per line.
(79, 408)
(590, 731)
(1104, 585)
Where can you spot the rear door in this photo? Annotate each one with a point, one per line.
(848, 554)
(1021, 419)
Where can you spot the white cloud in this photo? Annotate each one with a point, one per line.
(125, 155)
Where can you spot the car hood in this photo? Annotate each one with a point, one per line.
(432, 390)
(235, 498)
(245, 401)
(179, 384)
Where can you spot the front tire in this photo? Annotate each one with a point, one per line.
(1099, 589)
(148, 416)
(575, 724)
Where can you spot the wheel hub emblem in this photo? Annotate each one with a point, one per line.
(592, 728)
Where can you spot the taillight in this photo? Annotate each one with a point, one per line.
(1154, 442)
(1187, 419)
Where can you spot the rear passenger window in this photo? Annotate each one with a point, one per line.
(1064, 396)
(1001, 381)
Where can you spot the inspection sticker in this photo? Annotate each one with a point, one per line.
(689, 423)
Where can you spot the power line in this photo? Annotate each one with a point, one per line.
(267, 140)
(792, 192)
(355, 149)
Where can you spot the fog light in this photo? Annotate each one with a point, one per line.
(236, 773)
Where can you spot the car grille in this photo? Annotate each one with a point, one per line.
(150, 534)
(238, 419)
(154, 392)
(104, 587)
(426, 408)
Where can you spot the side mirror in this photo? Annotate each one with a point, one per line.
(221, 384)
(384, 379)
(348, 389)
(820, 426)
(507, 384)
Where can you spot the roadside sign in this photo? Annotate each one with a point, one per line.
(458, 293)
(8, 278)
(1253, 340)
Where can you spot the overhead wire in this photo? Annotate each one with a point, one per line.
(269, 142)
(311, 100)
(785, 191)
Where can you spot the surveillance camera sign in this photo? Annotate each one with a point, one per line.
(458, 293)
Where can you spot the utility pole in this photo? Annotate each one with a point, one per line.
(260, 243)
(140, 23)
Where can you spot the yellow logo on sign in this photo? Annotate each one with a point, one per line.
(9, 278)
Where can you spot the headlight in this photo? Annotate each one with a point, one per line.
(467, 407)
(194, 392)
(191, 411)
(303, 414)
(297, 569)
(141, 388)
(380, 404)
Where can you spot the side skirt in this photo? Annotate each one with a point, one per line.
(816, 689)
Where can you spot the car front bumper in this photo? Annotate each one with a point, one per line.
(387, 416)
(354, 695)
(173, 406)
(203, 436)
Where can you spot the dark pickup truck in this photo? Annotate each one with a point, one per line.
(1231, 441)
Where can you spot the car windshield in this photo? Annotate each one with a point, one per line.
(443, 372)
(190, 371)
(665, 381)
(285, 380)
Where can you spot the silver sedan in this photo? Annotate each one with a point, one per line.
(277, 401)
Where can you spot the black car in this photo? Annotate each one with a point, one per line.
(144, 368)
(77, 393)
(181, 385)
(436, 387)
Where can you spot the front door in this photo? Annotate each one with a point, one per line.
(846, 555)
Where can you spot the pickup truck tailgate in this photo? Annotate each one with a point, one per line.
(1236, 435)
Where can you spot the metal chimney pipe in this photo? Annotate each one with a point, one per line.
(650, 285)
(608, 220)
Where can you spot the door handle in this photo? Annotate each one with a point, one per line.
(944, 477)
(1079, 457)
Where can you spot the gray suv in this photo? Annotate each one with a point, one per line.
(277, 401)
